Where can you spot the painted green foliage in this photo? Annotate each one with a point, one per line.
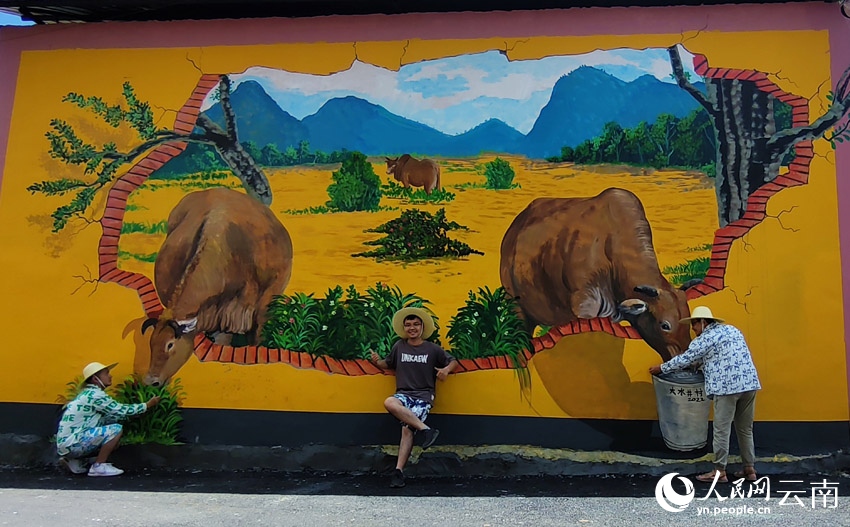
(488, 326)
(102, 162)
(341, 325)
(355, 186)
(416, 235)
(160, 424)
(415, 195)
(499, 174)
(347, 325)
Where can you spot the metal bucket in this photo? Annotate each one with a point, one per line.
(682, 409)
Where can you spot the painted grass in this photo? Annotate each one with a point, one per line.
(696, 268)
(125, 255)
(160, 227)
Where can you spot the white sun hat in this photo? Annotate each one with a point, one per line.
(94, 367)
(700, 312)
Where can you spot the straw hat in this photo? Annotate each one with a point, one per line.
(701, 312)
(95, 367)
(401, 314)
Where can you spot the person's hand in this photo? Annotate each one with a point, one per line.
(374, 357)
(153, 401)
(442, 373)
(655, 370)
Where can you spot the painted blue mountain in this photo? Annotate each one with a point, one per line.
(583, 101)
(260, 119)
(355, 124)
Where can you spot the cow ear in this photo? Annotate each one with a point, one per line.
(648, 290)
(632, 307)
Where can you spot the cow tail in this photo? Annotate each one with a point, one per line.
(439, 184)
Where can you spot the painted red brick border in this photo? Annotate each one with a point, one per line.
(116, 201)
(207, 351)
(798, 174)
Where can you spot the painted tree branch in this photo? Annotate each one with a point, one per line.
(840, 107)
(105, 161)
(682, 81)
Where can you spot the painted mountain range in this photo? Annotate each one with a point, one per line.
(580, 105)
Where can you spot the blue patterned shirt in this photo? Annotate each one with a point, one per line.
(727, 363)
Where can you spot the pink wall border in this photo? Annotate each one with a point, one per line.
(593, 21)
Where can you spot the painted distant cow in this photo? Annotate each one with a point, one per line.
(225, 256)
(570, 258)
(415, 173)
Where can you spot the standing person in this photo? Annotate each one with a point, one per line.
(89, 424)
(417, 364)
(731, 381)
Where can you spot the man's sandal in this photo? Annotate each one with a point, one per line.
(708, 477)
(749, 473)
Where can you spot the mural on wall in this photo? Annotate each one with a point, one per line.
(523, 202)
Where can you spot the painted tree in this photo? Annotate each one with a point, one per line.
(105, 161)
(749, 149)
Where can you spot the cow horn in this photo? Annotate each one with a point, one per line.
(648, 290)
(176, 327)
(148, 323)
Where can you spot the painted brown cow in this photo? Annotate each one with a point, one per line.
(225, 256)
(570, 258)
(413, 172)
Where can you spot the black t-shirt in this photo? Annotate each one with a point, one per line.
(415, 368)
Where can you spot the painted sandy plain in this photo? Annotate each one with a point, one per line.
(680, 206)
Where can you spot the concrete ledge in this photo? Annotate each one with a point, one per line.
(19, 451)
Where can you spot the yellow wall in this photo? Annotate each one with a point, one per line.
(783, 279)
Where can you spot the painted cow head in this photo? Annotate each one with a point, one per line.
(172, 343)
(655, 314)
(392, 168)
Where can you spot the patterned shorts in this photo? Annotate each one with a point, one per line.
(91, 440)
(419, 407)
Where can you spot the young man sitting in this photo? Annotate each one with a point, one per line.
(417, 364)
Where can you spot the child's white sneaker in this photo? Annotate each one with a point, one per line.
(104, 469)
(74, 466)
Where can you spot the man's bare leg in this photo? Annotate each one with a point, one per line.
(404, 447)
(108, 448)
(398, 410)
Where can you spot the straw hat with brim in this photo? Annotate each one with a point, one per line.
(401, 314)
(701, 312)
(95, 367)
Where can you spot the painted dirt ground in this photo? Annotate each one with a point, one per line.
(680, 207)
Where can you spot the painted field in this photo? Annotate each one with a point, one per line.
(680, 206)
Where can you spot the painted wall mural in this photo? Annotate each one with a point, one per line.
(248, 218)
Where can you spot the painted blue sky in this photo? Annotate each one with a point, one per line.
(7, 19)
(456, 94)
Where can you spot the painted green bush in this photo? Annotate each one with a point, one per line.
(499, 174)
(342, 325)
(355, 186)
(487, 325)
(417, 235)
(416, 196)
(160, 424)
